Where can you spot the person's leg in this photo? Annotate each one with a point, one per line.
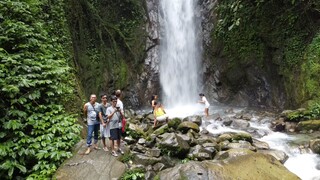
(118, 141)
(96, 135)
(102, 132)
(207, 111)
(89, 138)
(112, 139)
(155, 122)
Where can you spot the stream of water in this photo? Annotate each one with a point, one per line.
(305, 165)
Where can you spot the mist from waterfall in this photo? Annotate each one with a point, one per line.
(180, 52)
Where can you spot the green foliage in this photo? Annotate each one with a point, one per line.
(109, 42)
(135, 174)
(126, 157)
(35, 81)
(273, 32)
(312, 113)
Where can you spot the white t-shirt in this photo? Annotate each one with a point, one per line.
(120, 104)
(206, 103)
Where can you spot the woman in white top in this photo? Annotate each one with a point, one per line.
(206, 104)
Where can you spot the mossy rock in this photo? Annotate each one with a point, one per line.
(250, 166)
(242, 136)
(224, 137)
(185, 126)
(163, 129)
(174, 123)
(309, 125)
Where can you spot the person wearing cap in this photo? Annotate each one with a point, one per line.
(206, 104)
(114, 114)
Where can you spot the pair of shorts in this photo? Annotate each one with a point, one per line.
(105, 131)
(162, 118)
(115, 134)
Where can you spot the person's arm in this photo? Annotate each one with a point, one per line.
(85, 111)
(111, 114)
(152, 104)
(100, 115)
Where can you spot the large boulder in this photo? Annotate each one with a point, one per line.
(194, 119)
(200, 153)
(146, 160)
(185, 126)
(174, 145)
(279, 155)
(251, 166)
(309, 125)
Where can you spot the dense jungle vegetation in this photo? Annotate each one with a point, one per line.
(37, 128)
(54, 51)
(282, 33)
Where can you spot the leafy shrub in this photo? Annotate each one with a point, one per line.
(135, 174)
(126, 157)
(35, 81)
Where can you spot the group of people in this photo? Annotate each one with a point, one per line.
(106, 117)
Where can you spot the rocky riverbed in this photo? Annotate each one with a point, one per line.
(226, 145)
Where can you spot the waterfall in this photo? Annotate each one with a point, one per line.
(180, 48)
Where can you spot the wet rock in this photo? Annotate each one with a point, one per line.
(241, 144)
(149, 175)
(254, 165)
(227, 121)
(155, 152)
(279, 155)
(290, 126)
(315, 145)
(240, 124)
(139, 148)
(260, 145)
(309, 125)
(199, 153)
(224, 137)
(146, 160)
(231, 153)
(163, 129)
(242, 136)
(185, 138)
(223, 145)
(204, 131)
(195, 119)
(129, 140)
(174, 144)
(205, 139)
(185, 126)
(158, 167)
(141, 141)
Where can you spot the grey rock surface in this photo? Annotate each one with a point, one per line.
(98, 165)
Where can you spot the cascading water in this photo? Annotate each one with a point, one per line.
(180, 52)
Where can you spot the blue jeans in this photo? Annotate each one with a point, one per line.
(92, 129)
